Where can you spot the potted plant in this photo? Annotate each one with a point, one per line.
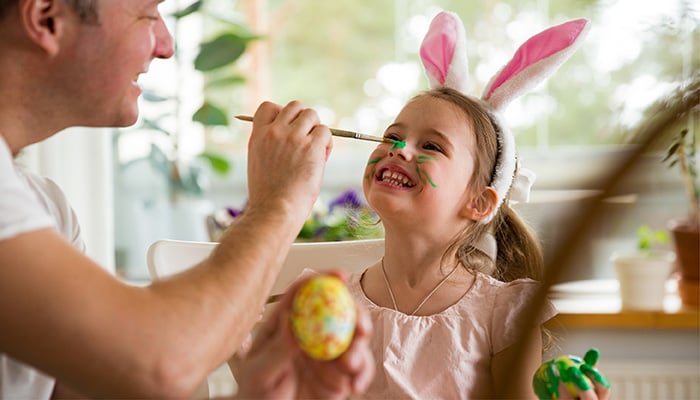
(642, 275)
(686, 231)
(347, 217)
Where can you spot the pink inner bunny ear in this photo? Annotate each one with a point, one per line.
(443, 52)
(535, 60)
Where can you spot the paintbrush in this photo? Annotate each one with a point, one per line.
(337, 132)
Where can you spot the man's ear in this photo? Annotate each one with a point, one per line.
(481, 205)
(43, 22)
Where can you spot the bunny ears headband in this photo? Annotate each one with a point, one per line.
(444, 56)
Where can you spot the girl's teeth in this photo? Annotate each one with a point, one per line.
(396, 178)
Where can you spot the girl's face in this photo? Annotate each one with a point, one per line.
(426, 180)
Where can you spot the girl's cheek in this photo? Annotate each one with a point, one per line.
(377, 155)
(368, 174)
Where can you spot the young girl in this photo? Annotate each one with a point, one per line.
(443, 316)
(459, 262)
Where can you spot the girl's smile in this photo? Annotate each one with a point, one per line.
(395, 176)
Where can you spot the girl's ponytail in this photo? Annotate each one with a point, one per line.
(519, 253)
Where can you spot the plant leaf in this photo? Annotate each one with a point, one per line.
(660, 237)
(147, 123)
(218, 162)
(221, 51)
(190, 183)
(210, 115)
(153, 97)
(671, 151)
(192, 8)
(226, 81)
(159, 161)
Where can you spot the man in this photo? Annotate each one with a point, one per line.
(70, 63)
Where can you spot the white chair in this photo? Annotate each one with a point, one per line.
(168, 257)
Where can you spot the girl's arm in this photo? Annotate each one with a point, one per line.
(518, 376)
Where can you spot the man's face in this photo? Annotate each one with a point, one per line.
(101, 62)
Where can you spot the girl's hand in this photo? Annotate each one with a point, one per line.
(569, 377)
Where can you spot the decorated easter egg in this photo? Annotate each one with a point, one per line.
(576, 374)
(323, 317)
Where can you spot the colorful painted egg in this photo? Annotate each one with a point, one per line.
(323, 317)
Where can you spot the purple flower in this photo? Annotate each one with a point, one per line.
(349, 199)
(233, 212)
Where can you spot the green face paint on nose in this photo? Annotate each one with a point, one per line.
(398, 144)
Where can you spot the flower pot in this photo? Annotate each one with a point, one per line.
(687, 243)
(643, 279)
(689, 292)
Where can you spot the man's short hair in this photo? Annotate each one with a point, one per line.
(86, 9)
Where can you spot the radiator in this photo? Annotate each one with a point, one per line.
(638, 380)
(654, 380)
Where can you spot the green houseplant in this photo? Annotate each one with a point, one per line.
(681, 154)
(642, 274)
(159, 183)
(224, 43)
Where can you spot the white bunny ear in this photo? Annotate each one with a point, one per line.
(535, 60)
(444, 53)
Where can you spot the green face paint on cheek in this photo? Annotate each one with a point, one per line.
(370, 162)
(424, 159)
(398, 144)
(429, 179)
(422, 173)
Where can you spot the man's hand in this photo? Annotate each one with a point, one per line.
(277, 368)
(287, 154)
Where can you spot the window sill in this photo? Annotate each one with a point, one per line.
(596, 304)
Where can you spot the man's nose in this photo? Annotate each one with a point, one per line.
(164, 41)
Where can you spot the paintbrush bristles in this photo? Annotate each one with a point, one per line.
(337, 132)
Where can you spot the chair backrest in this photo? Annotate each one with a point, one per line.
(168, 257)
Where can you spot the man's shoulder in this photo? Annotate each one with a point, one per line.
(52, 198)
(48, 191)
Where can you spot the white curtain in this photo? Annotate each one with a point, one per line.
(79, 160)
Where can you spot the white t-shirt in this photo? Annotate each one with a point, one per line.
(29, 202)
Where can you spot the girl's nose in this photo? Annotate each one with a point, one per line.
(400, 153)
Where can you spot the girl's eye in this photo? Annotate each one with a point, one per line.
(432, 147)
(392, 136)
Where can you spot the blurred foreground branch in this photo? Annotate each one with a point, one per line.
(665, 114)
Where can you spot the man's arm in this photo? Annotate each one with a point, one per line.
(103, 337)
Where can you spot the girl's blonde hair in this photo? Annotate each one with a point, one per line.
(519, 254)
